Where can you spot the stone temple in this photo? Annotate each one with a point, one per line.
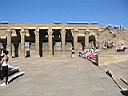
(57, 39)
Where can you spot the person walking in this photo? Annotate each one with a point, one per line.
(73, 53)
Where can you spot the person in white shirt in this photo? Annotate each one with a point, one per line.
(73, 53)
(122, 46)
(4, 63)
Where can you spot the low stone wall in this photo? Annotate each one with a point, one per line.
(111, 59)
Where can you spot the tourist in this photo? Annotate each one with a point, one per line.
(90, 56)
(122, 46)
(2, 52)
(80, 54)
(4, 63)
(73, 53)
(85, 54)
(96, 51)
(92, 50)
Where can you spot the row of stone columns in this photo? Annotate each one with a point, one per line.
(63, 32)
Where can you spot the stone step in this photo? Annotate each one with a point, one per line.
(124, 80)
(123, 86)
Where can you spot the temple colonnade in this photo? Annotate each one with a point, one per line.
(48, 41)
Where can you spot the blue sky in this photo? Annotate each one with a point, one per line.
(113, 12)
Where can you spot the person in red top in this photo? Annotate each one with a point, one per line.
(90, 56)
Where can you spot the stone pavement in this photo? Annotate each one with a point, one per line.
(60, 77)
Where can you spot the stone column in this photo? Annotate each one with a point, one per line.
(75, 32)
(22, 50)
(87, 38)
(50, 41)
(75, 42)
(37, 42)
(9, 45)
(98, 41)
(13, 36)
(63, 40)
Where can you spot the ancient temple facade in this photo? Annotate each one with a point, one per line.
(48, 39)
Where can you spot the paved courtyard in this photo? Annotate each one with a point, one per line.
(60, 77)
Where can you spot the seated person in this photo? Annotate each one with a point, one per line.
(84, 55)
(104, 46)
(96, 50)
(90, 56)
(122, 48)
(110, 44)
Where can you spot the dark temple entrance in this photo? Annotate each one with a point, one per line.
(68, 42)
(15, 41)
(29, 42)
(81, 42)
(43, 42)
(56, 42)
(92, 41)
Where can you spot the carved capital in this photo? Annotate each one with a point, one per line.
(36, 32)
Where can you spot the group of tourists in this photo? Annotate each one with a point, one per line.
(89, 53)
(108, 45)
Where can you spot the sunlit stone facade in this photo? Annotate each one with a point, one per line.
(52, 39)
